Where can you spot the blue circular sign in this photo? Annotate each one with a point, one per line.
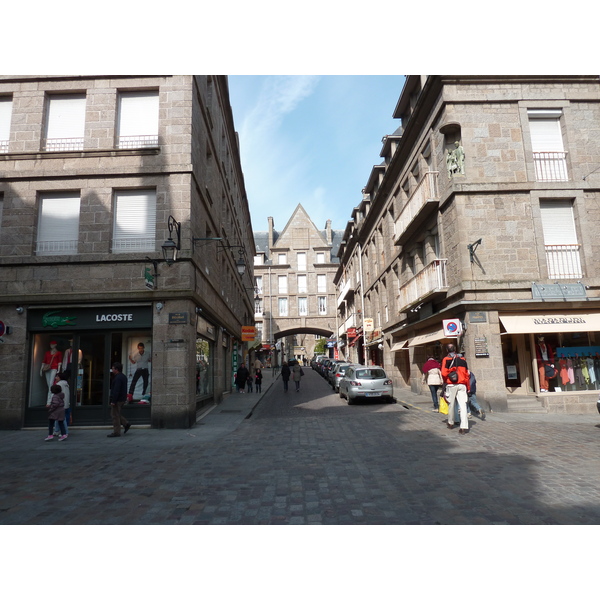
(452, 327)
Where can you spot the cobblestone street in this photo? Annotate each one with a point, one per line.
(308, 458)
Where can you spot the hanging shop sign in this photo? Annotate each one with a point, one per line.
(248, 333)
(369, 324)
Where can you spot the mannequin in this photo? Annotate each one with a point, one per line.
(51, 365)
(544, 356)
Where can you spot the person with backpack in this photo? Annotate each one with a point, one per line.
(455, 372)
(472, 397)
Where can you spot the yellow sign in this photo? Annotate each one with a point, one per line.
(248, 333)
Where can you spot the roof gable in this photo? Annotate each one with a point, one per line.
(300, 233)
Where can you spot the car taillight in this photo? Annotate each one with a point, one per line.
(388, 382)
(355, 383)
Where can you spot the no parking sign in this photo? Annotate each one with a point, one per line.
(452, 327)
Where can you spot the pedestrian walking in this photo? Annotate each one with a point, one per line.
(62, 381)
(432, 374)
(118, 397)
(56, 412)
(258, 380)
(455, 372)
(285, 375)
(297, 374)
(472, 397)
(241, 378)
(249, 383)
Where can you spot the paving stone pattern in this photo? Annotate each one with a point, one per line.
(308, 458)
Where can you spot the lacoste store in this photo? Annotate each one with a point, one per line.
(83, 342)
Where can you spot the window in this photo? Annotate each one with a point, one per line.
(322, 304)
(283, 307)
(138, 120)
(259, 259)
(302, 284)
(281, 259)
(258, 284)
(258, 306)
(301, 261)
(282, 284)
(5, 115)
(549, 156)
(321, 283)
(302, 306)
(134, 221)
(58, 225)
(560, 239)
(65, 123)
(320, 258)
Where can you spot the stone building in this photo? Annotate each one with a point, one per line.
(293, 271)
(98, 177)
(479, 227)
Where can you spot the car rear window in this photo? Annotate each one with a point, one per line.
(370, 374)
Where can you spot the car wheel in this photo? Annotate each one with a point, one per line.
(350, 400)
(340, 392)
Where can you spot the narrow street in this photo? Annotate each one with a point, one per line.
(308, 458)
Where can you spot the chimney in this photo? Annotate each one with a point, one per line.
(270, 220)
(328, 231)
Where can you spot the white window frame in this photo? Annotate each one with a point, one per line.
(58, 224)
(259, 259)
(302, 284)
(302, 306)
(301, 258)
(322, 284)
(5, 120)
(258, 284)
(282, 258)
(65, 122)
(258, 306)
(282, 284)
(137, 122)
(282, 306)
(134, 221)
(321, 258)
(547, 145)
(322, 305)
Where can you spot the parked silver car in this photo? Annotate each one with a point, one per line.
(336, 373)
(361, 382)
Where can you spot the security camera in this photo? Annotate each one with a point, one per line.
(20, 310)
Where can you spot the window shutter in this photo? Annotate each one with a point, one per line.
(545, 130)
(135, 221)
(65, 125)
(558, 222)
(5, 114)
(138, 119)
(58, 229)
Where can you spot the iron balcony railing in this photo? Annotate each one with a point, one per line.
(563, 261)
(427, 281)
(550, 166)
(133, 244)
(3, 146)
(63, 144)
(426, 191)
(137, 141)
(46, 248)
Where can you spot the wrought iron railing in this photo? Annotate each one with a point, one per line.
(137, 141)
(46, 248)
(63, 144)
(550, 166)
(3, 146)
(133, 244)
(563, 261)
(430, 279)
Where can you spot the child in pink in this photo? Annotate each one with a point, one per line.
(56, 412)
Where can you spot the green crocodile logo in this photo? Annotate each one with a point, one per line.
(49, 320)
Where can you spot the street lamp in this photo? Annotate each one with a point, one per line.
(170, 248)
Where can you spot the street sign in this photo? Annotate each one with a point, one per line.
(452, 327)
(2, 328)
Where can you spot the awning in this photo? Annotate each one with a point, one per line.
(399, 346)
(550, 323)
(426, 338)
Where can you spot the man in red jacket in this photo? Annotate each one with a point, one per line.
(457, 386)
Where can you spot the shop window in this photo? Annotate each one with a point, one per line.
(65, 123)
(58, 224)
(5, 118)
(134, 221)
(204, 368)
(560, 239)
(138, 119)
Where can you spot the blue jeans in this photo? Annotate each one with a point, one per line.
(61, 424)
(473, 402)
(434, 395)
(66, 422)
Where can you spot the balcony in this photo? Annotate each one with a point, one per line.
(137, 141)
(422, 203)
(63, 144)
(345, 288)
(563, 261)
(3, 146)
(431, 280)
(550, 166)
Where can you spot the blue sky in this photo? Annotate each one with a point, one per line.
(310, 140)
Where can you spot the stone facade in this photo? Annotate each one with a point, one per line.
(510, 232)
(294, 271)
(193, 170)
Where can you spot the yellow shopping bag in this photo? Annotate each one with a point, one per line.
(443, 405)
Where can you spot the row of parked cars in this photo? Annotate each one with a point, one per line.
(353, 381)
